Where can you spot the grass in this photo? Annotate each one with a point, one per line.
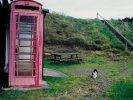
(63, 84)
(122, 90)
(90, 34)
(54, 81)
(78, 86)
(96, 60)
(124, 27)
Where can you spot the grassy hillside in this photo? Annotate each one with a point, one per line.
(89, 34)
(125, 27)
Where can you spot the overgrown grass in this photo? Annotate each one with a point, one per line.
(126, 28)
(90, 34)
(122, 90)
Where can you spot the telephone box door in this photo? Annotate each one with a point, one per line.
(24, 50)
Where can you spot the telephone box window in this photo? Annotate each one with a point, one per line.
(25, 45)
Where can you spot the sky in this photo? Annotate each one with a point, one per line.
(89, 8)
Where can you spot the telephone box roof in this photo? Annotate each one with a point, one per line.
(26, 0)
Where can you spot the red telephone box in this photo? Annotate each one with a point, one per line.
(26, 43)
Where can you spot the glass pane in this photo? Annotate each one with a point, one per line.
(25, 64)
(25, 69)
(26, 49)
(28, 19)
(25, 45)
(26, 27)
(25, 57)
(25, 35)
(23, 72)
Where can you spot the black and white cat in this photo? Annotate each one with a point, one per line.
(94, 73)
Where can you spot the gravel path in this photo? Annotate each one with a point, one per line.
(87, 72)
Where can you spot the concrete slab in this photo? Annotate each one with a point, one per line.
(54, 73)
(44, 86)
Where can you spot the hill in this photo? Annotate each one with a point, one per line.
(125, 27)
(88, 34)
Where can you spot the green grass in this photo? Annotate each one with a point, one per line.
(54, 81)
(96, 60)
(10, 95)
(122, 90)
(59, 84)
(71, 87)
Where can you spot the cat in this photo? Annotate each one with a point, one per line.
(94, 73)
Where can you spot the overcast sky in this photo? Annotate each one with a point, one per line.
(89, 8)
